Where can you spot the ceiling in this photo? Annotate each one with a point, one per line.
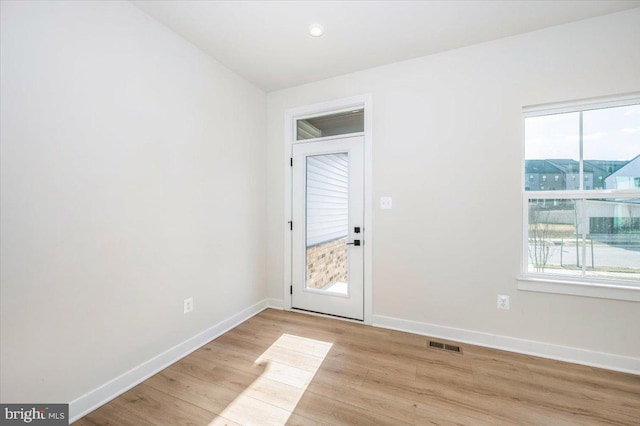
(266, 41)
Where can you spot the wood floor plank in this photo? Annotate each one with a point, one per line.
(371, 400)
(428, 414)
(585, 377)
(291, 368)
(304, 345)
(145, 402)
(384, 364)
(85, 421)
(339, 372)
(216, 355)
(333, 412)
(257, 386)
(210, 394)
(221, 421)
(549, 404)
(288, 375)
(298, 420)
(485, 405)
(450, 369)
(249, 411)
(111, 414)
(291, 357)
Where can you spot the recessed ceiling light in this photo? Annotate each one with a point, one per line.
(315, 30)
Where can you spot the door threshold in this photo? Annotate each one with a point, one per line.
(321, 314)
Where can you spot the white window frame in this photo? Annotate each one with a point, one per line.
(579, 286)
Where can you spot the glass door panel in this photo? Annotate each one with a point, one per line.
(327, 222)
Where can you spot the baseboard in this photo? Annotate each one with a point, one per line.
(90, 401)
(275, 303)
(561, 353)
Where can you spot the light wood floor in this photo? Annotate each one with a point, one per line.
(290, 368)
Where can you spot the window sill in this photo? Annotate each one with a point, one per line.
(580, 288)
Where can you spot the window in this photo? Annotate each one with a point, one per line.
(583, 231)
(334, 124)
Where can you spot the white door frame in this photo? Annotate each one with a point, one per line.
(291, 115)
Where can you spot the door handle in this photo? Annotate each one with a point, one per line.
(354, 243)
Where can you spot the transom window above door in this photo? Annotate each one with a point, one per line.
(334, 124)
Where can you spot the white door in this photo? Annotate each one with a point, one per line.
(328, 232)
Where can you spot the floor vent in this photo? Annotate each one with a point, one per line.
(436, 344)
(444, 346)
(452, 348)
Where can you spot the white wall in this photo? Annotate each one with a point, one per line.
(132, 177)
(447, 146)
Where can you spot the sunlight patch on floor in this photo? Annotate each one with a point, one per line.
(289, 366)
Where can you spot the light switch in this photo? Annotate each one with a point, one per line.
(386, 203)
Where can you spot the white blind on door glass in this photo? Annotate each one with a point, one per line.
(327, 198)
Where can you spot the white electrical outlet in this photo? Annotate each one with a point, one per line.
(188, 305)
(503, 301)
(386, 203)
